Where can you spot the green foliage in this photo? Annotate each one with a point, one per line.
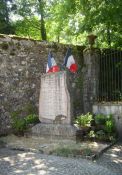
(28, 27)
(87, 152)
(101, 135)
(29, 109)
(74, 20)
(92, 134)
(32, 18)
(107, 121)
(15, 114)
(31, 119)
(66, 152)
(100, 119)
(110, 124)
(84, 120)
(101, 127)
(5, 24)
(18, 124)
(64, 21)
(21, 119)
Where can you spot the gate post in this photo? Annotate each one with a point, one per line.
(90, 78)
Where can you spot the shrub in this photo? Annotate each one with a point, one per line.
(92, 134)
(32, 119)
(100, 135)
(100, 119)
(84, 120)
(109, 124)
(19, 125)
(101, 127)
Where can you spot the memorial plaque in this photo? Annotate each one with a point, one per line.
(54, 101)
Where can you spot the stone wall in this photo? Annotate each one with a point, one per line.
(22, 62)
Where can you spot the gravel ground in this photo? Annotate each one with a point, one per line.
(13, 162)
(24, 162)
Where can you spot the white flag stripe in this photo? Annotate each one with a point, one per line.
(47, 69)
(53, 62)
(70, 61)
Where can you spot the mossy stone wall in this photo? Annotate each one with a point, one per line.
(22, 62)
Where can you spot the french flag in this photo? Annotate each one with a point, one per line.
(69, 61)
(51, 64)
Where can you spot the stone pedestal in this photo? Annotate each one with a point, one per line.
(55, 104)
(54, 131)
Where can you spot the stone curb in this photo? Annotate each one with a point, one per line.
(103, 150)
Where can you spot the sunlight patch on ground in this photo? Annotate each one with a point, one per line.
(117, 161)
(18, 171)
(116, 149)
(113, 155)
(7, 159)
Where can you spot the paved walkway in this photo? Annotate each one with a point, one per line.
(112, 159)
(28, 163)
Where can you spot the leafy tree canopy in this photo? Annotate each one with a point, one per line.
(68, 21)
(5, 25)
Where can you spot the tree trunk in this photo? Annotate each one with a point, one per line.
(108, 36)
(43, 29)
(58, 39)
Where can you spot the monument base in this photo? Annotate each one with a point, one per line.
(54, 131)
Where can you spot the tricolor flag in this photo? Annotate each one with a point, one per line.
(51, 64)
(69, 61)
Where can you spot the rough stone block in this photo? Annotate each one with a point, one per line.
(54, 131)
(55, 104)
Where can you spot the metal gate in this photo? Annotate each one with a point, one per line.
(110, 76)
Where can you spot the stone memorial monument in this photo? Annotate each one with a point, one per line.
(55, 106)
(55, 99)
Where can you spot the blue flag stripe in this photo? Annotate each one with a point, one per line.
(49, 60)
(68, 54)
